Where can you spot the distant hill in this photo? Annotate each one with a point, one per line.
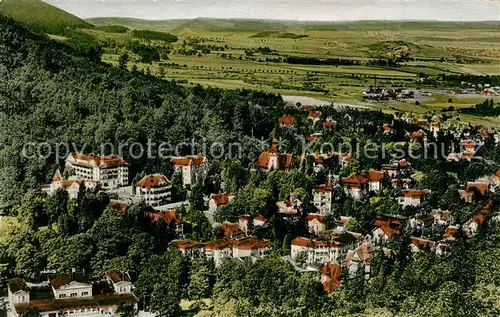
(41, 16)
(257, 25)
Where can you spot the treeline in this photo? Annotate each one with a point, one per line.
(493, 80)
(112, 28)
(318, 61)
(487, 108)
(154, 36)
(147, 53)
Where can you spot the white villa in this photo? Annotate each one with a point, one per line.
(190, 166)
(154, 189)
(315, 251)
(63, 295)
(110, 171)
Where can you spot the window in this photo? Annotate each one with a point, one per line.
(62, 295)
(85, 293)
(73, 295)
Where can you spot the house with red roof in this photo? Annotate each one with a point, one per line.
(289, 207)
(72, 186)
(287, 121)
(386, 228)
(359, 260)
(331, 275)
(329, 124)
(273, 159)
(314, 116)
(413, 197)
(250, 247)
(316, 223)
(154, 189)
(357, 183)
(190, 166)
(420, 244)
(474, 190)
(482, 215)
(315, 251)
(323, 197)
(218, 200)
(110, 171)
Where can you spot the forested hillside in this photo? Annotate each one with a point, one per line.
(50, 92)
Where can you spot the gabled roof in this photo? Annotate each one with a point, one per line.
(389, 227)
(314, 115)
(217, 245)
(185, 244)
(57, 176)
(221, 199)
(58, 281)
(231, 230)
(110, 161)
(122, 205)
(422, 244)
(332, 273)
(169, 216)
(329, 124)
(250, 243)
(153, 181)
(196, 160)
(261, 218)
(287, 120)
(355, 180)
(318, 217)
(17, 284)
(415, 193)
(483, 214)
(451, 233)
(116, 277)
(481, 187)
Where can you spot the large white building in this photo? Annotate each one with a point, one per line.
(323, 197)
(63, 295)
(190, 166)
(110, 171)
(155, 190)
(315, 251)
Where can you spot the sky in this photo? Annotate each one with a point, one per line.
(312, 10)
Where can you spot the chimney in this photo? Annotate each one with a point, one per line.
(329, 179)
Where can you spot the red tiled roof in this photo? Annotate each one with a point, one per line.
(196, 160)
(259, 217)
(167, 216)
(60, 280)
(314, 115)
(231, 230)
(481, 187)
(450, 233)
(153, 181)
(115, 276)
(221, 199)
(250, 243)
(323, 188)
(185, 244)
(355, 180)
(390, 227)
(17, 284)
(333, 273)
(320, 218)
(422, 243)
(122, 205)
(483, 214)
(313, 137)
(103, 161)
(287, 120)
(57, 176)
(387, 128)
(329, 124)
(413, 193)
(216, 245)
